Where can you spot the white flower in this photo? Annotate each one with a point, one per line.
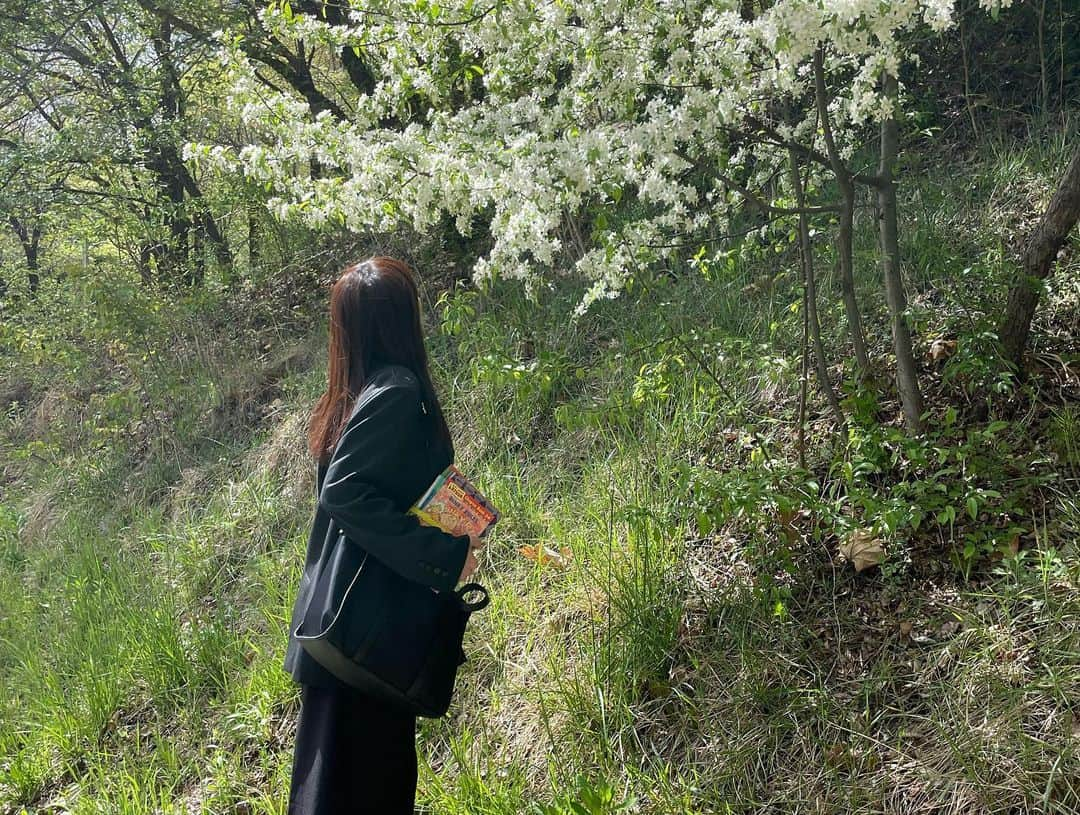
(582, 99)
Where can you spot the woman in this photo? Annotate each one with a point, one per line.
(379, 438)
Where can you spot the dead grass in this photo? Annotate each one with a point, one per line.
(43, 514)
(285, 453)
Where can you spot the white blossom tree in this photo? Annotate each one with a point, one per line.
(653, 123)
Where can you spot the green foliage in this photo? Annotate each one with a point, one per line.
(944, 486)
(1065, 436)
(588, 799)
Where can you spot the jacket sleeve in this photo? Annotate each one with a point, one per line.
(382, 434)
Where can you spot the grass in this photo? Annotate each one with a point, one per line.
(703, 650)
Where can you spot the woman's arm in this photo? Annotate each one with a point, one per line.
(383, 433)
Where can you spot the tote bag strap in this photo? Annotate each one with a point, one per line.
(344, 599)
(472, 605)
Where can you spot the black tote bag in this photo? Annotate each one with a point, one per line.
(379, 632)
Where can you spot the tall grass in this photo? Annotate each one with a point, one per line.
(700, 650)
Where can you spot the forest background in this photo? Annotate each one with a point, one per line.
(756, 319)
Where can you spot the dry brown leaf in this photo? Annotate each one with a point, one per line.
(546, 556)
(862, 549)
(942, 349)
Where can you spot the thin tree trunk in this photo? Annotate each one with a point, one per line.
(1037, 262)
(967, 75)
(907, 378)
(846, 225)
(32, 257)
(29, 239)
(212, 231)
(1042, 57)
(253, 239)
(174, 174)
(175, 254)
(804, 373)
(146, 251)
(1061, 50)
(810, 291)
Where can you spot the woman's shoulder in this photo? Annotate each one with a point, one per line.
(392, 375)
(386, 384)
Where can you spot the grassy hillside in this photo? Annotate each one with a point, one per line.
(697, 647)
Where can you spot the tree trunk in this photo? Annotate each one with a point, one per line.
(1038, 261)
(845, 252)
(253, 239)
(907, 378)
(146, 251)
(217, 240)
(846, 226)
(299, 76)
(336, 12)
(175, 249)
(810, 292)
(173, 175)
(32, 257)
(30, 239)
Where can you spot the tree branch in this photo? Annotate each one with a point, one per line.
(803, 151)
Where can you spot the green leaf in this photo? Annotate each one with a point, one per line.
(916, 519)
(705, 523)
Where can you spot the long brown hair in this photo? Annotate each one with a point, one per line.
(374, 320)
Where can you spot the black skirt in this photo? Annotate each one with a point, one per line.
(354, 755)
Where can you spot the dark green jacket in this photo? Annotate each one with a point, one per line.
(389, 452)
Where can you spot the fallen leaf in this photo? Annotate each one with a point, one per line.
(862, 549)
(942, 349)
(545, 555)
